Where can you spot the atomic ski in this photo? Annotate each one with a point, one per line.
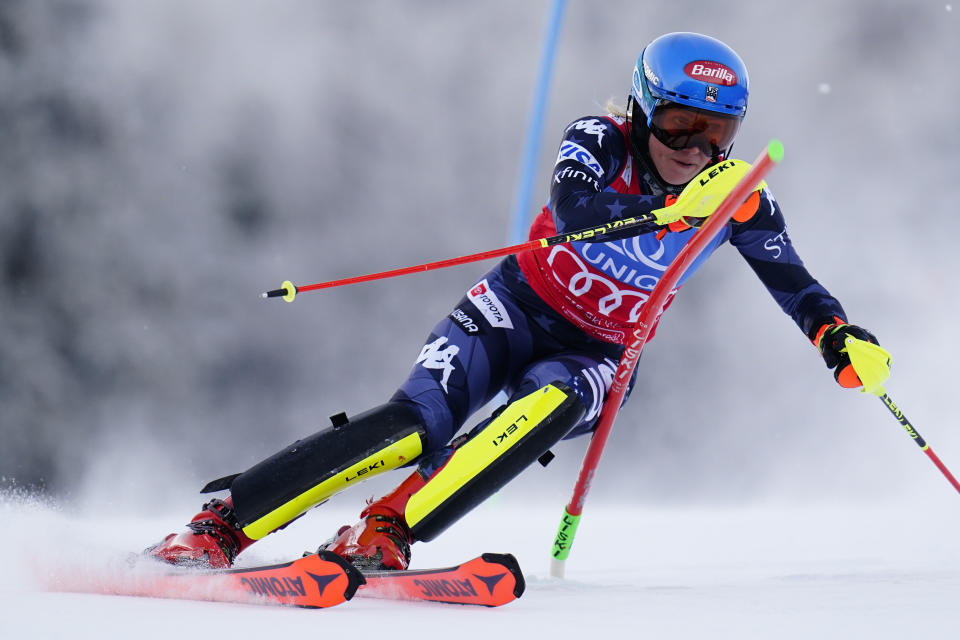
(490, 580)
(316, 581)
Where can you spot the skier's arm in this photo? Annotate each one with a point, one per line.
(763, 242)
(591, 157)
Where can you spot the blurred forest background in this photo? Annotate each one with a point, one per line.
(162, 162)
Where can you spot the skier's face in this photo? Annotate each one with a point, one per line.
(676, 166)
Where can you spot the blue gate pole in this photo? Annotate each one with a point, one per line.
(521, 204)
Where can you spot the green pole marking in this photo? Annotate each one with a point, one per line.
(564, 539)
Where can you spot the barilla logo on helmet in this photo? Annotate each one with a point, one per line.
(712, 72)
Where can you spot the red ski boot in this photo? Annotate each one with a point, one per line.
(381, 540)
(214, 540)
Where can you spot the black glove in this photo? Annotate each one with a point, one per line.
(831, 341)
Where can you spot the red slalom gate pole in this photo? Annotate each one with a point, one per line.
(563, 541)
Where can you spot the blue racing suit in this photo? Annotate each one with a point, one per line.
(562, 313)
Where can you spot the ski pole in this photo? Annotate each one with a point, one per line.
(872, 364)
(912, 432)
(288, 290)
(651, 311)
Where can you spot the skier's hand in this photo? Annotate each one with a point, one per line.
(702, 195)
(854, 355)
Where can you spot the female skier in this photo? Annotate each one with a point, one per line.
(545, 326)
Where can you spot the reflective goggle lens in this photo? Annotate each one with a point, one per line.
(682, 127)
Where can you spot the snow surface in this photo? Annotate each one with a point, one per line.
(759, 571)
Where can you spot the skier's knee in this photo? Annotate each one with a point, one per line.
(588, 377)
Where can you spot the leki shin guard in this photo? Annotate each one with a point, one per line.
(492, 457)
(278, 490)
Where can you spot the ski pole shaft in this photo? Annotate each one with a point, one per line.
(651, 311)
(288, 290)
(912, 432)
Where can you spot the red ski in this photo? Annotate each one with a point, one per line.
(490, 580)
(315, 581)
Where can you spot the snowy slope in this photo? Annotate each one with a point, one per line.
(889, 571)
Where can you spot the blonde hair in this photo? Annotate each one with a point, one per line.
(614, 108)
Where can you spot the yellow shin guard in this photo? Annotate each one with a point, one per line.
(280, 489)
(511, 442)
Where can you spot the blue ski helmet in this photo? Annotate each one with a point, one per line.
(693, 70)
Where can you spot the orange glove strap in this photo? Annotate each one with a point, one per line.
(748, 209)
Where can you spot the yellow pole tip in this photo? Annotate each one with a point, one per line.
(291, 291)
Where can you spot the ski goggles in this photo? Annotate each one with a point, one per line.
(681, 127)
